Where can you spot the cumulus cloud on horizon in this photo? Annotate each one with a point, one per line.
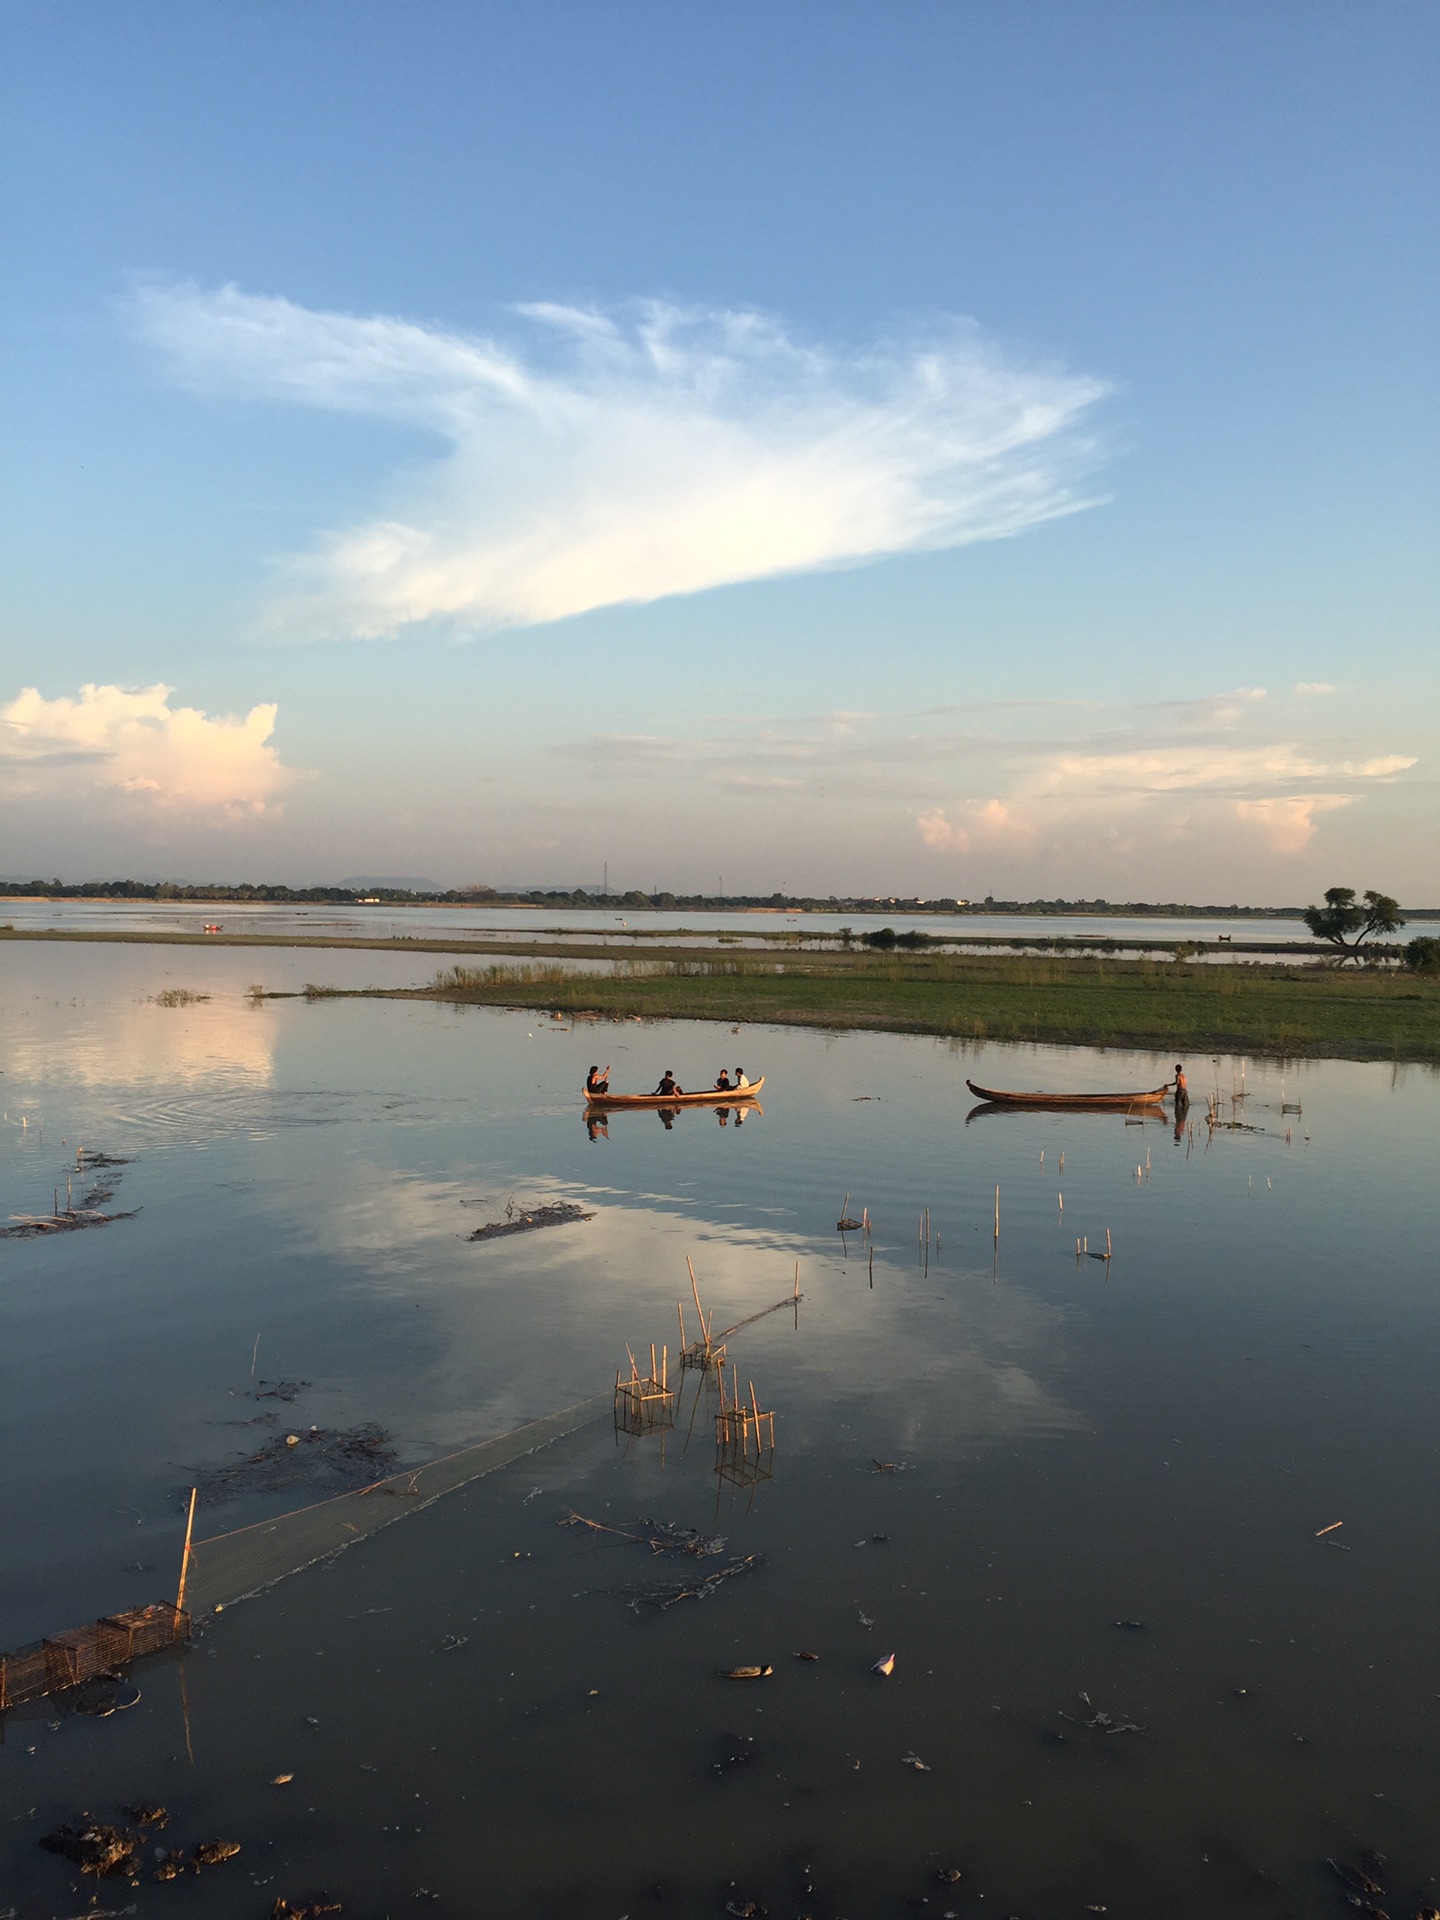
(1208, 768)
(130, 741)
(1273, 790)
(619, 457)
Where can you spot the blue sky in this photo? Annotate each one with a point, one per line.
(950, 448)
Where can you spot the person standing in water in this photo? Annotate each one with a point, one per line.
(1182, 1088)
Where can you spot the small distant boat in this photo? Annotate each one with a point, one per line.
(709, 1097)
(1154, 1098)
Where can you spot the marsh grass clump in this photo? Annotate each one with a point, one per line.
(178, 997)
(486, 979)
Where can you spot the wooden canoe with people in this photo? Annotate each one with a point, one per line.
(706, 1097)
(1099, 1101)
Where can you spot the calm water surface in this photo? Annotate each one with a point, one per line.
(1158, 1440)
(642, 929)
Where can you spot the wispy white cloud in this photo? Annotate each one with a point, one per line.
(1311, 689)
(129, 741)
(623, 457)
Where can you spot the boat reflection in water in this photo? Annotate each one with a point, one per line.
(597, 1119)
(1135, 1105)
(1130, 1115)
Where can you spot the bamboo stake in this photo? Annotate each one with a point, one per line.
(997, 1213)
(185, 1555)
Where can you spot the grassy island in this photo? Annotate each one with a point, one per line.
(1279, 1010)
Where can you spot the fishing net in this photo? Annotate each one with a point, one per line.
(232, 1566)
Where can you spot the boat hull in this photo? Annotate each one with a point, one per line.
(1098, 1101)
(710, 1097)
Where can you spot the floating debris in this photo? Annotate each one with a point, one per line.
(665, 1597)
(147, 1816)
(76, 1215)
(746, 1673)
(106, 1852)
(914, 1760)
(213, 1853)
(1353, 1878)
(30, 1226)
(805, 1656)
(286, 1390)
(307, 1910)
(885, 1666)
(526, 1220)
(325, 1460)
(1104, 1722)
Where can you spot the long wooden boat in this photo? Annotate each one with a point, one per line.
(1154, 1098)
(709, 1097)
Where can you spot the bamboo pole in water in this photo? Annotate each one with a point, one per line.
(185, 1553)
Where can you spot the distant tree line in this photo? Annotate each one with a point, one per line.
(215, 892)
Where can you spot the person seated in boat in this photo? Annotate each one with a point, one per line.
(740, 1079)
(722, 1085)
(668, 1084)
(1182, 1086)
(596, 1081)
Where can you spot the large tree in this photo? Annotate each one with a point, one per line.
(1347, 923)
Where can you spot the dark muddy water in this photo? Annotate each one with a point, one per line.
(482, 1711)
